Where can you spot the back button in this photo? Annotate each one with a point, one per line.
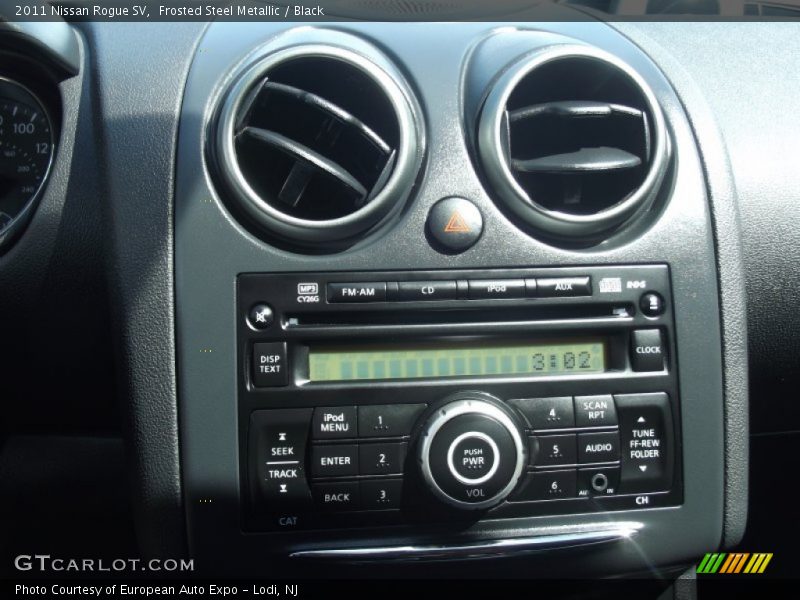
(337, 496)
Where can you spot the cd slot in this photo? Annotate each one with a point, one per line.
(365, 318)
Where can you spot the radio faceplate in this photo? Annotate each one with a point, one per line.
(582, 360)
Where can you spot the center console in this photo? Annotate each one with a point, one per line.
(446, 291)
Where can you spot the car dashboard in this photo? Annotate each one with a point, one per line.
(354, 297)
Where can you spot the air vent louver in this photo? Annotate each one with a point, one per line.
(573, 141)
(316, 143)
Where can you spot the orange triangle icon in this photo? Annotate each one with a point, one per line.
(456, 224)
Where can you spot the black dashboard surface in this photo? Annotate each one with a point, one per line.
(93, 276)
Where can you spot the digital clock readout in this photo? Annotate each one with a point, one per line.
(474, 359)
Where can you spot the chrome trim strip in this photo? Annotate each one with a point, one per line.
(480, 549)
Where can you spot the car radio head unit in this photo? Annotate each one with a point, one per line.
(417, 399)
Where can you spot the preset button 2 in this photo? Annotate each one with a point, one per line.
(382, 459)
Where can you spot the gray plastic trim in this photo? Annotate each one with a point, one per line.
(57, 40)
(726, 223)
(495, 162)
(211, 249)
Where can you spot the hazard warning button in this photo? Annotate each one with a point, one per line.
(454, 224)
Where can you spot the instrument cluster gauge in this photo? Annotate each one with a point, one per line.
(26, 154)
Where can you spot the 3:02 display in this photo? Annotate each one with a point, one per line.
(468, 359)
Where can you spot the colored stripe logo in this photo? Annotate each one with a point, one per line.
(734, 562)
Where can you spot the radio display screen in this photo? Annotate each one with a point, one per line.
(473, 359)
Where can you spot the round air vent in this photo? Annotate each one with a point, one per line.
(317, 144)
(573, 141)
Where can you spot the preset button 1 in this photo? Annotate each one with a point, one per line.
(388, 420)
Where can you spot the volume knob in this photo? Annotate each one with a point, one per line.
(471, 451)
